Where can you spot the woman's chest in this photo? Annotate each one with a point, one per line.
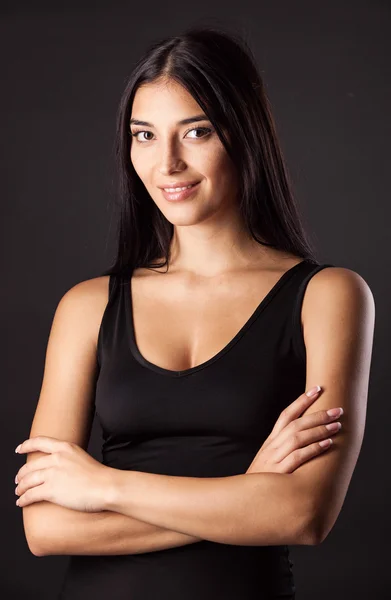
(238, 393)
(177, 326)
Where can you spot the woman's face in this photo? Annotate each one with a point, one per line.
(165, 152)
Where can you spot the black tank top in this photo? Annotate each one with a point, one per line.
(206, 421)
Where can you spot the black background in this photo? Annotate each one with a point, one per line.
(326, 68)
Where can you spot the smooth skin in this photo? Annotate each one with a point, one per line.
(210, 246)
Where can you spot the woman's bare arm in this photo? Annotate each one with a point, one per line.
(66, 531)
(65, 410)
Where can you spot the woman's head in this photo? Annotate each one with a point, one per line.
(166, 153)
(239, 162)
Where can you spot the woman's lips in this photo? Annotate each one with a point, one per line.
(175, 196)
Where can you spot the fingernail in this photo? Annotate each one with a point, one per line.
(335, 412)
(18, 448)
(313, 391)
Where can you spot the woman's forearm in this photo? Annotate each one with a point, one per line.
(253, 509)
(68, 532)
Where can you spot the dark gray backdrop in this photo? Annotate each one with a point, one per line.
(64, 65)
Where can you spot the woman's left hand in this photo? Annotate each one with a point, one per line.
(67, 476)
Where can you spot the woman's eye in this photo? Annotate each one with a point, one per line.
(135, 134)
(205, 130)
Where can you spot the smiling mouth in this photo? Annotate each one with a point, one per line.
(172, 190)
(182, 194)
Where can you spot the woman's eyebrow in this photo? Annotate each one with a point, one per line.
(183, 122)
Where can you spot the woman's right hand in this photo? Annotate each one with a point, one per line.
(294, 439)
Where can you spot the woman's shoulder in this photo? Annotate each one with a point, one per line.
(335, 286)
(88, 298)
(90, 291)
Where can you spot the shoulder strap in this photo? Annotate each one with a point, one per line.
(297, 328)
(111, 284)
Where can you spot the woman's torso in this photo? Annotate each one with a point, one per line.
(193, 389)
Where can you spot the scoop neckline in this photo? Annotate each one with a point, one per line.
(184, 372)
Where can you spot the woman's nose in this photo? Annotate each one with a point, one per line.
(170, 162)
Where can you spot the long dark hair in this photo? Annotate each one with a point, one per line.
(218, 69)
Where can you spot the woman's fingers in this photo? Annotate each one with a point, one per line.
(296, 458)
(292, 412)
(306, 422)
(296, 439)
(306, 437)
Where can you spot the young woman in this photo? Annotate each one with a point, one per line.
(195, 350)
